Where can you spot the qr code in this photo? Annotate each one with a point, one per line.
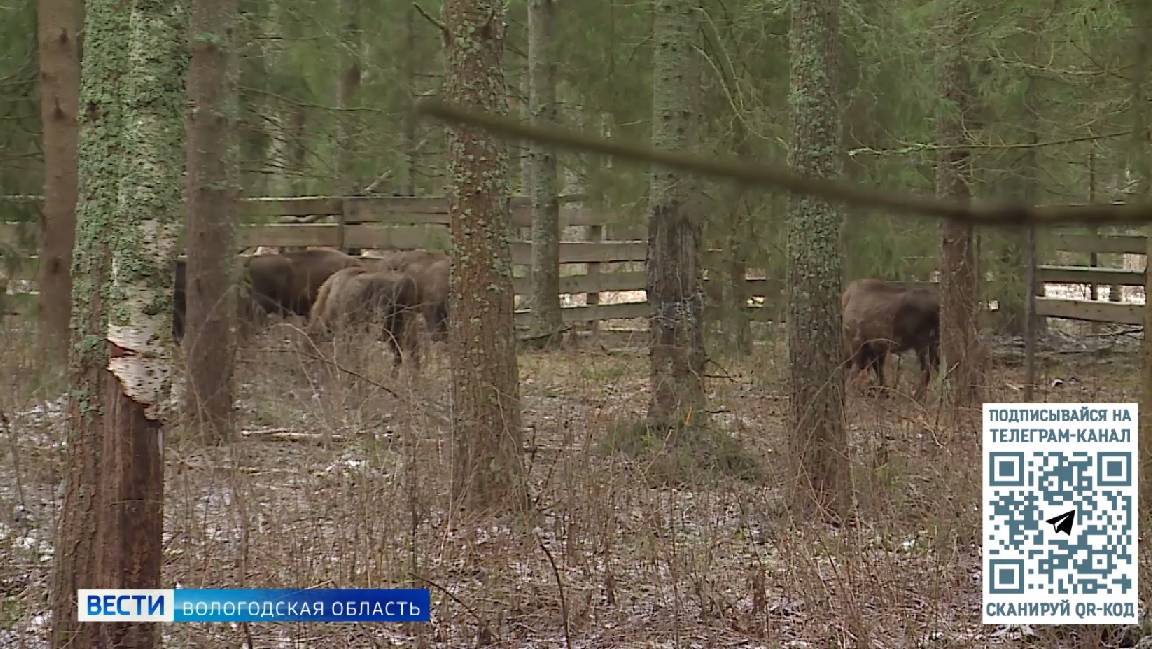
(1031, 493)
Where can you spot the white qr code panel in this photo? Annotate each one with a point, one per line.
(1059, 513)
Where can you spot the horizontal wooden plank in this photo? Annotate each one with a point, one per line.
(583, 252)
(19, 235)
(26, 269)
(355, 236)
(637, 281)
(397, 209)
(403, 209)
(603, 282)
(18, 304)
(624, 310)
(1090, 311)
(1131, 244)
(1089, 275)
(630, 310)
(521, 216)
(293, 206)
(429, 237)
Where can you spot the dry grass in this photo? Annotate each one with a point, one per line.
(340, 483)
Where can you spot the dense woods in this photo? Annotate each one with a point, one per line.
(628, 402)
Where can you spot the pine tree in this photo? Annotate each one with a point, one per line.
(487, 472)
(676, 325)
(211, 193)
(546, 317)
(819, 445)
(59, 54)
(959, 346)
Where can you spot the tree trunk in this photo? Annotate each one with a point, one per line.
(819, 447)
(99, 149)
(1140, 163)
(59, 32)
(487, 471)
(674, 231)
(298, 150)
(411, 152)
(546, 322)
(143, 246)
(348, 86)
(959, 347)
(211, 192)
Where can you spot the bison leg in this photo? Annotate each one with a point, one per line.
(878, 359)
(925, 359)
(436, 320)
(408, 337)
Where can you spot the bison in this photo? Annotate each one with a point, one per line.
(282, 284)
(879, 318)
(358, 297)
(430, 270)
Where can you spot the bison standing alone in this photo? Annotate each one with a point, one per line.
(880, 318)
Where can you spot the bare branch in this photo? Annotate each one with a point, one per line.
(917, 148)
(744, 171)
(427, 16)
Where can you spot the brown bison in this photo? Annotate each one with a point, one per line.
(278, 284)
(430, 270)
(880, 318)
(357, 297)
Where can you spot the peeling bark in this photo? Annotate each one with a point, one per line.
(819, 447)
(59, 54)
(143, 245)
(676, 347)
(99, 173)
(487, 469)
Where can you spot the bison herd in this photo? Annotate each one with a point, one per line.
(338, 292)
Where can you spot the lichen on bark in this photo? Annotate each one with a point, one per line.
(150, 203)
(487, 469)
(819, 481)
(99, 152)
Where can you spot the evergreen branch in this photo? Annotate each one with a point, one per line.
(923, 147)
(838, 191)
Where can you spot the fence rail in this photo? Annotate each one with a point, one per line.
(400, 222)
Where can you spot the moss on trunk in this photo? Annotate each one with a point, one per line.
(487, 470)
(99, 153)
(818, 443)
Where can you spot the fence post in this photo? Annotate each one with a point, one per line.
(1030, 315)
(595, 233)
(341, 219)
(1145, 438)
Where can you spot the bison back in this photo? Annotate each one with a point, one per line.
(310, 269)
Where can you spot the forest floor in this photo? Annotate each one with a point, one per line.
(338, 482)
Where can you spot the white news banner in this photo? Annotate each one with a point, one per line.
(1060, 526)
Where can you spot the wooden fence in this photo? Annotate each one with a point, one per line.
(614, 263)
